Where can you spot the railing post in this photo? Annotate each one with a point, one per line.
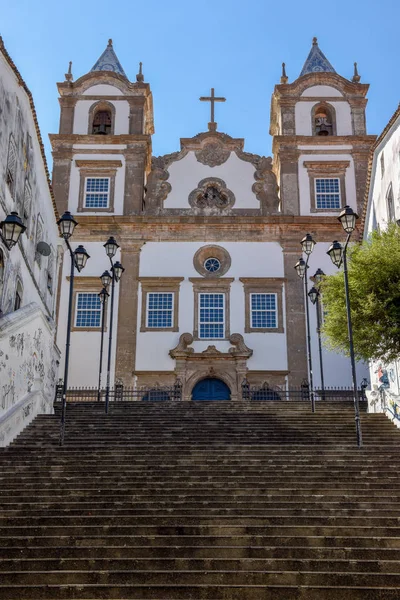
(245, 389)
(178, 389)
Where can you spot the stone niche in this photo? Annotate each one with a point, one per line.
(230, 367)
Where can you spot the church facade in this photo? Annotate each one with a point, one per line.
(208, 235)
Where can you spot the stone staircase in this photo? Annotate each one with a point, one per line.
(174, 501)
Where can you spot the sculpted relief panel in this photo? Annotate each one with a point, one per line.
(212, 195)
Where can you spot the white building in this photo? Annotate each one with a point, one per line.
(382, 207)
(209, 235)
(28, 271)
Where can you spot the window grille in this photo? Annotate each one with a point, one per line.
(97, 192)
(88, 310)
(327, 193)
(263, 311)
(160, 309)
(211, 316)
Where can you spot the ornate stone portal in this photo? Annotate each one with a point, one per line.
(230, 367)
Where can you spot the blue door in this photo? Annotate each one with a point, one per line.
(211, 389)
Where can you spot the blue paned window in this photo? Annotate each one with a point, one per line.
(88, 310)
(160, 309)
(263, 308)
(97, 192)
(327, 193)
(211, 316)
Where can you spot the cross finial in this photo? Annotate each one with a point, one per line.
(284, 77)
(69, 76)
(212, 126)
(356, 76)
(315, 41)
(139, 76)
(110, 42)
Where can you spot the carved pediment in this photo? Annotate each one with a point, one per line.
(239, 349)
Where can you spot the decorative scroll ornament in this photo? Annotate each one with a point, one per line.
(157, 187)
(211, 194)
(213, 154)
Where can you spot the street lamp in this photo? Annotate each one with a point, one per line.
(79, 258)
(103, 295)
(307, 245)
(116, 269)
(11, 229)
(338, 254)
(314, 295)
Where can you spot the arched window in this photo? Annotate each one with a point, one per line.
(324, 120)
(101, 118)
(18, 296)
(102, 122)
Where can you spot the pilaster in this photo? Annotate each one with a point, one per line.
(295, 315)
(127, 313)
(62, 161)
(135, 166)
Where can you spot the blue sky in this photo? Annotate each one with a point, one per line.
(187, 47)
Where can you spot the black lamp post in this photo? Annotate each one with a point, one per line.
(79, 258)
(103, 295)
(314, 295)
(117, 269)
(11, 229)
(307, 244)
(338, 255)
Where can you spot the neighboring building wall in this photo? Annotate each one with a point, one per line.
(26, 272)
(383, 206)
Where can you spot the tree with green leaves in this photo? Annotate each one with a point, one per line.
(374, 284)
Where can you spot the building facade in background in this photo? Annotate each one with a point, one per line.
(29, 271)
(209, 235)
(383, 207)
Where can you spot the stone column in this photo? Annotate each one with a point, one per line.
(127, 314)
(288, 120)
(295, 315)
(67, 114)
(134, 180)
(289, 181)
(62, 161)
(136, 114)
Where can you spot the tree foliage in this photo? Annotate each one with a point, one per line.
(374, 284)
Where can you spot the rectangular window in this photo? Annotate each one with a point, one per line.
(97, 192)
(88, 310)
(211, 316)
(160, 310)
(263, 311)
(327, 193)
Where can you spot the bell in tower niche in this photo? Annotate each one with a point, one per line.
(323, 122)
(102, 122)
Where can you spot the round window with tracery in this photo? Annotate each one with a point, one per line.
(212, 265)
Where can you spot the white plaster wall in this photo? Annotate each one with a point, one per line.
(73, 196)
(380, 184)
(337, 368)
(186, 174)
(304, 181)
(16, 117)
(81, 116)
(102, 89)
(325, 91)
(303, 117)
(175, 259)
(377, 216)
(85, 345)
(28, 369)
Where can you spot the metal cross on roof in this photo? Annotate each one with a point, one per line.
(212, 126)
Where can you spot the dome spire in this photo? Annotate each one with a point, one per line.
(108, 61)
(316, 61)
